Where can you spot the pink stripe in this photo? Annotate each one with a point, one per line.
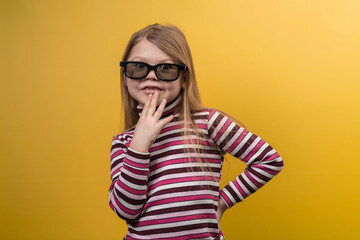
(182, 180)
(253, 180)
(242, 186)
(181, 194)
(276, 155)
(116, 153)
(266, 169)
(243, 194)
(136, 162)
(136, 172)
(223, 129)
(238, 140)
(122, 208)
(188, 234)
(116, 171)
(170, 128)
(177, 219)
(226, 198)
(257, 147)
(125, 190)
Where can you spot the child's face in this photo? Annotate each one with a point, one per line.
(147, 52)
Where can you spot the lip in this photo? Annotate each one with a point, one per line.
(151, 89)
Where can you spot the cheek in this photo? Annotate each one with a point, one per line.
(175, 86)
(130, 84)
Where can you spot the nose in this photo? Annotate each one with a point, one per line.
(151, 75)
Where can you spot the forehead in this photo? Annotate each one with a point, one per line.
(148, 52)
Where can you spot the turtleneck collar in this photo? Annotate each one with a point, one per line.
(170, 107)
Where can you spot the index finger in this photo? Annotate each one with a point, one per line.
(146, 106)
(153, 103)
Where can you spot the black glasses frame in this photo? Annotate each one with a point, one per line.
(154, 67)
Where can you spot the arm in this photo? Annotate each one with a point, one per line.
(129, 176)
(130, 163)
(262, 161)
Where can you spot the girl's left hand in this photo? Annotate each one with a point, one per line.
(220, 211)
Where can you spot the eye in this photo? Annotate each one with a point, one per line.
(166, 67)
(140, 65)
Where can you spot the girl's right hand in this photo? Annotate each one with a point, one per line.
(149, 125)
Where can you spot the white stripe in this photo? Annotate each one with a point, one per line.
(179, 213)
(182, 165)
(118, 209)
(183, 184)
(178, 204)
(137, 168)
(178, 146)
(241, 144)
(176, 224)
(255, 156)
(125, 204)
(251, 147)
(113, 169)
(175, 234)
(252, 185)
(264, 173)
(218, 128)
(195, 175)
(242, 186)
(181, 194)
(129, 195)
(233, 139)
(232, 185)
(121, 155)
(227, 132)
(229, 195)
(212, 119)
(131, 185)
(259, 180)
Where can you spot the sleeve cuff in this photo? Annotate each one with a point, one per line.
(227, 201)
(137, 154)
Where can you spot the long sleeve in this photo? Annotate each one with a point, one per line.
(129, 177)
(262, 161)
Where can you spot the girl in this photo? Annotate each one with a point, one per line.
(166, 167)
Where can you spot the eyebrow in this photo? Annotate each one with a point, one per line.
(145, 60)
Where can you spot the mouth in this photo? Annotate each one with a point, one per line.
(151, 89)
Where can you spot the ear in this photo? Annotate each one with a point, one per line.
(125, 80)
(183, 82)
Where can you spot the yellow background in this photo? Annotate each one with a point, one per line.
(289, 70)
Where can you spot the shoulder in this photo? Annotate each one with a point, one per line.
(210, 116)
(124, 136)
(206, 111)
(210, 113)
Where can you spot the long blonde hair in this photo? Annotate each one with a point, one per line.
(172, 42)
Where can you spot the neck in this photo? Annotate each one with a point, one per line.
(171, 108)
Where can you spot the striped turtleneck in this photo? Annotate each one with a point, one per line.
(168, 194)
(170, 108)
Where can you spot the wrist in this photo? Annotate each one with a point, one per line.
(139, 146)
(222, 205)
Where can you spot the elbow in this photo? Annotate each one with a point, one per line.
(278, 164)
(123, 209)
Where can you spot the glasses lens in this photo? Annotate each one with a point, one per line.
(136, 70)
(168, 71)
